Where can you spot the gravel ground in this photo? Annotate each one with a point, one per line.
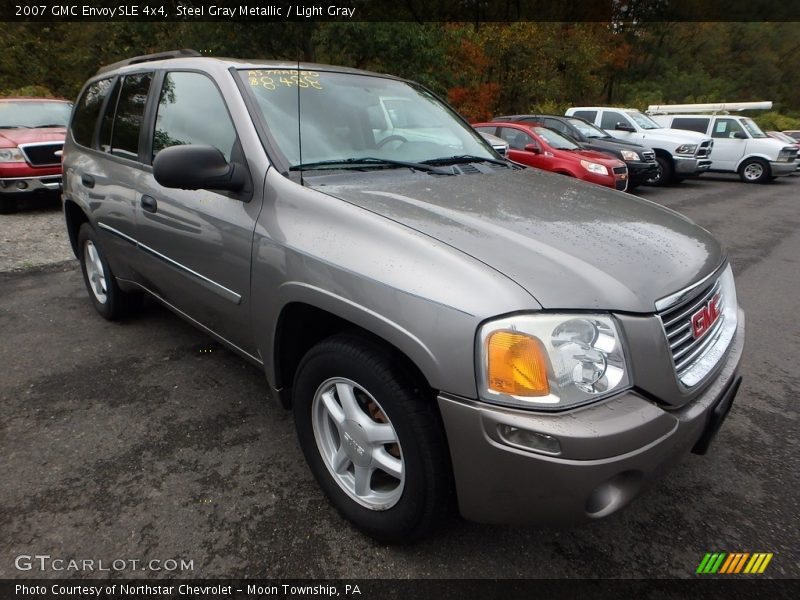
(34, 237)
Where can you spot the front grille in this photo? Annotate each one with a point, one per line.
(42, 154)
(648, 155)
(677, 321)
(705, 149)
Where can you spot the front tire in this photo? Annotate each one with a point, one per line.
(8, 205)
(665, 172)
(755, 170)
(372, 437)
(106, 296)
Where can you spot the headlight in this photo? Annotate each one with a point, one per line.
(550, 361)
(786, 155)
(594, 167)
(686, 149)
(630, 155)
(8, 155)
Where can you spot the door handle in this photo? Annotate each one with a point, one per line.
(149, 204)
(87, 180)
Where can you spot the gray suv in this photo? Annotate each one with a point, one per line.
(448, 328)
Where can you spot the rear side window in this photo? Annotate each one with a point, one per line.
(589, 115)
(88, 110)
(690, 124)
(192, 111)
(611, 118)
(106, 123)
(129, 116)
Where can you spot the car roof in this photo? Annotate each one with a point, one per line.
(31, 99)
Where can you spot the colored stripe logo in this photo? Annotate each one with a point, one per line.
(734, 563)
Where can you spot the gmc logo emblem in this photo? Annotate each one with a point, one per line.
(704, 318)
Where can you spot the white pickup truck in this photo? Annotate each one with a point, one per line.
(679, 154)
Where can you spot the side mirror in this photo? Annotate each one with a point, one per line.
(532, 148)
(624, 127)
(740, 135)
(196, 167)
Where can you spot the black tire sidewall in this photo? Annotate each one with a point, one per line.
(409, 517)
(765, 174)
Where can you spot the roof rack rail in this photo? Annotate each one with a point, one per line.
(713, 108)
(184, 53)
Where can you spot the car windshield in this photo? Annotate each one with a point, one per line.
(753, 129)
(587, 129)
(349, 116)
(643, 121)
(555, 140)
(33, 113)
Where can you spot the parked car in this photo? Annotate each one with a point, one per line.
(498, 144)
(739, 145)
(31, 138)
(793, 133)
(678, 154)
(549, 150)
(447, 327)
(790, 141)
(641, 161)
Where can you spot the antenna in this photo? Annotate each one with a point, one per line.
(299, 135)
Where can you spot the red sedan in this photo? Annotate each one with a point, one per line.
(549, 150)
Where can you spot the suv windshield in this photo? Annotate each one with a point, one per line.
(587, 129)
(753, 129)
(555, 140)
(643, 121)
(349, 116)
(33, 113)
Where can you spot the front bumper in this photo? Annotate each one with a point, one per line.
(29, 185)
(691, 166)
(609, 451)
(780, 169)
(640, 172)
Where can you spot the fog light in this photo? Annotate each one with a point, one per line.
(21, 185)
(529, 440)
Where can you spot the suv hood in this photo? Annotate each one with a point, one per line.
(15, 137)
(613, 143)
(570, 244)
(679, 136)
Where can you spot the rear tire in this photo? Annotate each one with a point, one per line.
(372, 437)
(755, 170)
(106, 296)
(8, 205)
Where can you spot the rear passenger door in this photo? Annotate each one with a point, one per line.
(196, 245)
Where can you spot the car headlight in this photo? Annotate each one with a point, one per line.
(9, 155)
(686, 149)
(630, 155)
(550, 361)
(594, 167)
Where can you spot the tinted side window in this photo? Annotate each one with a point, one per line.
(130, 112)
(87, 111)
(559, 127)
(104, 137)
(726, 128)
(589, 115)
(191, 111)
(489, 130)
(517, 140)
(690, 123)
(611, 118)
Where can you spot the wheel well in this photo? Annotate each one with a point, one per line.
(663, 154)
(301, 326)
(74, 217)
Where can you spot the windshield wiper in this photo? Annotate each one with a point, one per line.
(14, 127)
(463, 158)
(49, 125)
(356, 163)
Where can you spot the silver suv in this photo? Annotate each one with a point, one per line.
(447, 327)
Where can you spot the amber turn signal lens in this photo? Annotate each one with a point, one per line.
(517, 365)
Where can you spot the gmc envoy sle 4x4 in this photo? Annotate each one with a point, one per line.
(447, 327)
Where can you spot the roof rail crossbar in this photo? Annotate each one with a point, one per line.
(184, 53)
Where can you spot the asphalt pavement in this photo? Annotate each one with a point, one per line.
(145, 440)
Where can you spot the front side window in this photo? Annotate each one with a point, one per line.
(129, 115)
(643, 121)
(88, 110)
(558, 126)
(587, 129)
(517, 140)
(611, 118)
(192, 111)
(555, 139)
(726, 128)
(349, 116)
